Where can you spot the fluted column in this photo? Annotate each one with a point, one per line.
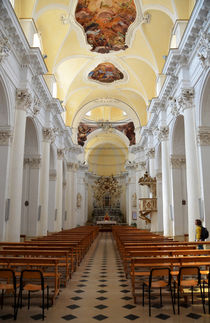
(5, 139)
(23, 102)
(44, 181)
(59, 189)
(186, 102)
(166, 181)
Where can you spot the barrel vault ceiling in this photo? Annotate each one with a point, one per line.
(70, 59)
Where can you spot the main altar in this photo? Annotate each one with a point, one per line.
(107, 201)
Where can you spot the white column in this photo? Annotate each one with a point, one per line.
(44, 181)
(192, 170)
(159, 203)
(74, 201)
(69, 195)
(5, 135)
(178, 195)
(59, 190)
(51, 203)
(166, 181)
(23, 102)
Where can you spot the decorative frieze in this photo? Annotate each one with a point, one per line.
(163, 133)
(60, 153)
(203, 136)
(177, 161)
(24, 99)
(185, 100)
(5, 136)
(4, 47)
(204, 50)
(48, 134)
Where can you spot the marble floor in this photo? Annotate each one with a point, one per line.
(98, 291)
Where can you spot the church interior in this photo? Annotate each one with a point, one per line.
(104, 160)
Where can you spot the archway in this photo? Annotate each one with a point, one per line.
(31, 173)
(204, 149)
(5, 134)
(179, 187)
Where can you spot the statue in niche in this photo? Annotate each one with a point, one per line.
(79, 200)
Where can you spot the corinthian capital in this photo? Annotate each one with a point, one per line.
(4, 47)
(203, 136)
(185, 100)
(60, 153)
(163, 133)
(23, 99)
(48, 134)
(150, 153)
(177, 161)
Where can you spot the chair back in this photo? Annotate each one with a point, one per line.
(32, 275)
(189, 272)
(160, 274)
(7, 274)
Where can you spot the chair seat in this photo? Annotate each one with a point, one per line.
(190, 282)
(157, 284)
(7, 286)
(33, 287)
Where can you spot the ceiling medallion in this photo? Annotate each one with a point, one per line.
(106, 22)
(105, 73)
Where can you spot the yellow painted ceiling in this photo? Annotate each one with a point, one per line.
(69, 58)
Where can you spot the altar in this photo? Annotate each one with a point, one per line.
(106, 225)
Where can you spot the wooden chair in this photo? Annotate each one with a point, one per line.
(8, 283)
(189, 277)
(207, 282)
(32, 281)
(158, 278)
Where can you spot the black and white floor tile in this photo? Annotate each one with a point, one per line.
(99, 291)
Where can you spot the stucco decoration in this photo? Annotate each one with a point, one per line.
(105, 22)
(106, 73)
(84, 130)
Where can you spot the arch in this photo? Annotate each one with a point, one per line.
(5, 104)
(115, 132)
(177, 137)
(32, 142)
(53, 157)
(204, 102)
(97, 103)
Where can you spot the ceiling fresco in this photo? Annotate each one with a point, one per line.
(106, 22)
(127, 129)
(106, 73)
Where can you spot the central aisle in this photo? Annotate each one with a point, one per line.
(98, 290)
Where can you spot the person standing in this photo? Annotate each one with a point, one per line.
(198, 232)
